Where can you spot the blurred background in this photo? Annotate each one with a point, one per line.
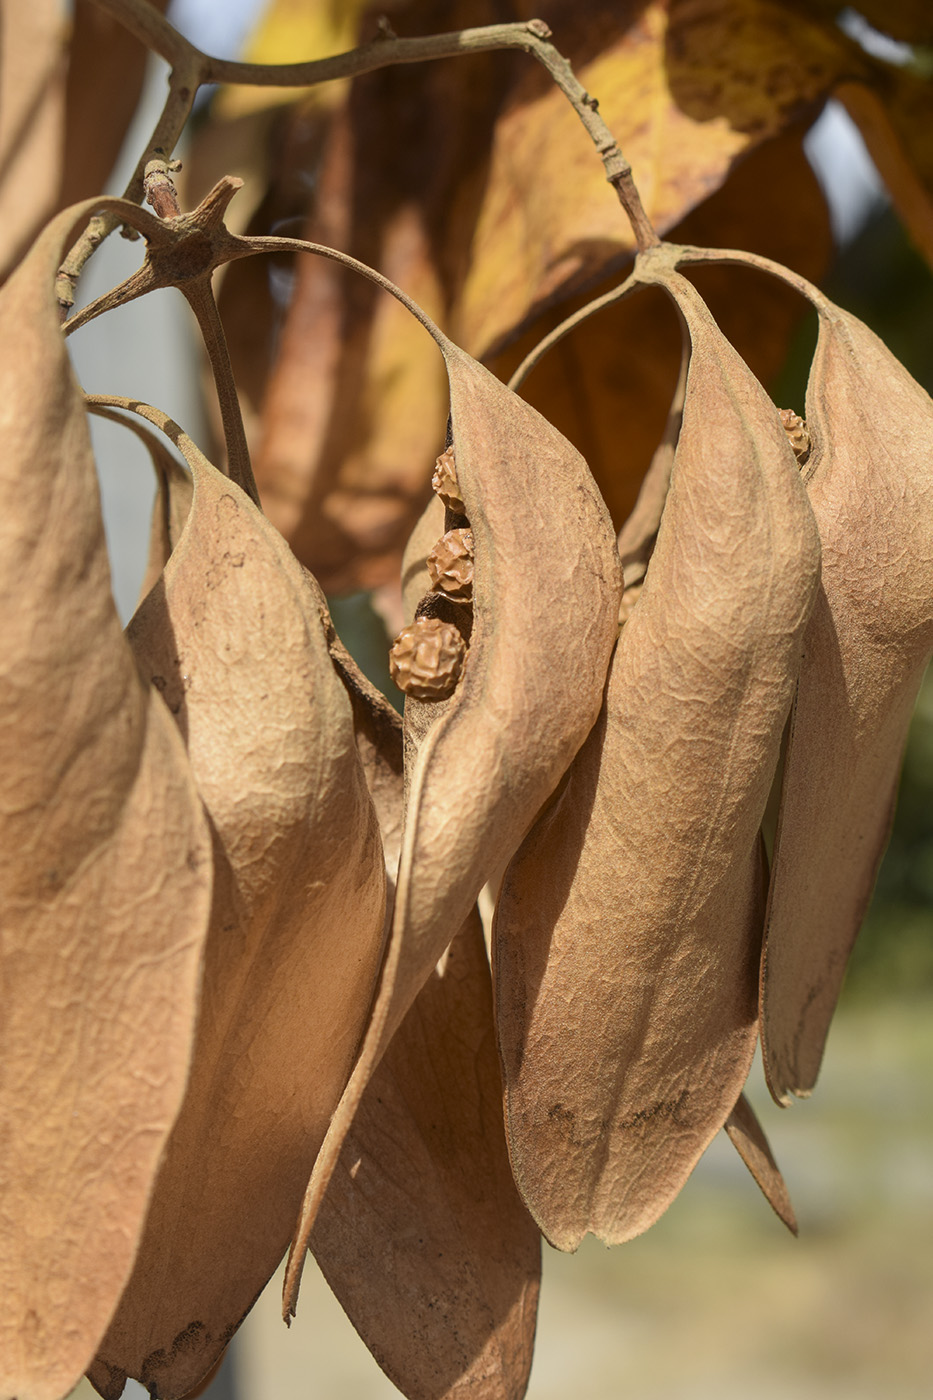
(717, 1299)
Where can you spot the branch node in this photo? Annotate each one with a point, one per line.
(539, 29)
(159, 187)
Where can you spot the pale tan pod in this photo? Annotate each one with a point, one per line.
(105, 877)
(424, 1187)
(627, 933)
(423, 1183)
(234, 637)
(499, 747)
(870, 479)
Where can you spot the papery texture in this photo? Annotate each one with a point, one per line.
(235, 638)
(422, 1234)
(628, 928)
(871, 487)
(501, 744)
(105, 878)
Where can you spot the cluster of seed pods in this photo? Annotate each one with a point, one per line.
(217, 814)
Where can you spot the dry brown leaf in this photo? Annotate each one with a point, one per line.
(747, 1137)
(234, 637)
(628, 928)
(865, 651)
(105, 878)
(547, 585)
(895, 119)
(422, 1234)
(416, 581)
(718, 77)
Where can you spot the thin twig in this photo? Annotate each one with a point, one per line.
(239, 468)
(192, 69)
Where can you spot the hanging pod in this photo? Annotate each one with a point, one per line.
(105, 877)
(627, 933)
(423, 1183)
(545, 599)
(870, 480)
(234, 638)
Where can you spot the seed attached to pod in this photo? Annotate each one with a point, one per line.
(797, 434)
(450, 564)
(445, 482)
(426, 659)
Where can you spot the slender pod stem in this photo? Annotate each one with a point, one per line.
(683, 254)
(200, 298)
(191, 69)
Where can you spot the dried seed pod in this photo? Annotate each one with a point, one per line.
(424, 1180)
(427, 658)
(627, 932)
(296, 933)
(501, 743)
(450, 564)
(797, 433)
(866, 648)
(105, 876)
(445, 482)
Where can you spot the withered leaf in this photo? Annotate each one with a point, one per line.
(546, 587)
(747, 1137)
(894, 119)
(422, 1234)
(627, 932)
(105, 878)
(865, 651)
(234, 637)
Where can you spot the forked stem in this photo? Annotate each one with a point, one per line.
(191, 69)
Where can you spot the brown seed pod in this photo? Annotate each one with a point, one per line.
(865, 651)
(285, 992)
(445, 482)
(105, 876)
(450, 564)
(628, 927)
(797, 433)
(427, 658)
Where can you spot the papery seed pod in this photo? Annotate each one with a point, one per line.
(501, 743)
(628, 927)
(105, 876)
(797, 433)
(865, 651)
(296, 932)
(445, 482)
(427, 658)
(450, 564)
